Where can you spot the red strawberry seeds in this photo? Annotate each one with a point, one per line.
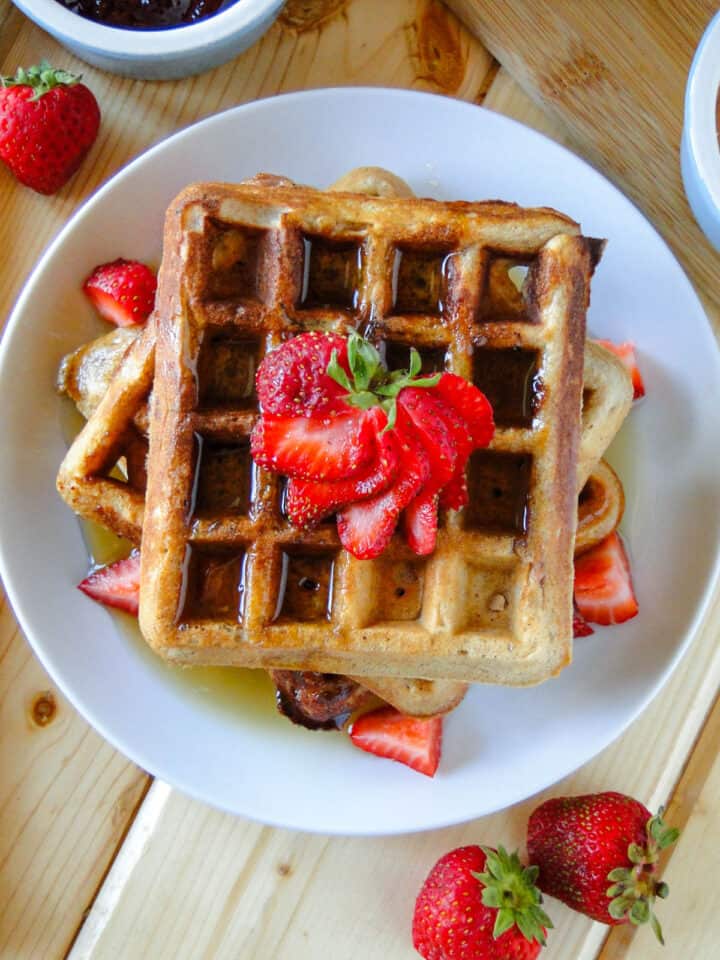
(123, 292)
(479, 904)
(48, 122)
(292, 381)
(388, 733)
(598, 854)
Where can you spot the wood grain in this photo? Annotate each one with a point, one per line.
(65, 799)
(614, 74)
(187, 881)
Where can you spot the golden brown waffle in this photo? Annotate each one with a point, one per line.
(91, 371)
(226, 579)
(87, 373)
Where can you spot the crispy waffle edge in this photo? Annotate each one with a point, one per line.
(572, 256)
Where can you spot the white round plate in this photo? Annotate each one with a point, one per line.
(501, 745)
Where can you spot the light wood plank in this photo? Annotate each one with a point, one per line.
(65, 798)
(614, 73)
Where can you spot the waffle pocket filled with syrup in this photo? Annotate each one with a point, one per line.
(226, 579)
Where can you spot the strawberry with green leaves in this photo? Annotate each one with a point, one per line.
(599, 854)
(368, 442)
(478, 903)
(48, 122)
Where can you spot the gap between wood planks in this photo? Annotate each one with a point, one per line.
(139, 832)
(147, 813)
(688, 787)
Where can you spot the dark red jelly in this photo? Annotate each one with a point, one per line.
(143, 14)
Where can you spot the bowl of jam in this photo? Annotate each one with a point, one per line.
(154, 39)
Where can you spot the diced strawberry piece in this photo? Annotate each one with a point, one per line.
(470, 403)
(366, 528)
(421, 523)
(123, 291)
(626, 352)
(292, 381)
(335, 448)
(308, 501)
(603, 585)
(388, 733)
(581, 628)
(117, 585)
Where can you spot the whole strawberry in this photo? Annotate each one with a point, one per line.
(48, 122)
(598, 854)
(479, 904)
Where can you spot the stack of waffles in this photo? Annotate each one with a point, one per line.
(491, 291)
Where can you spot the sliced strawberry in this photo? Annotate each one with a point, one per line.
(454, 495)
(603, 585)
(292, 381)
(426, 414)
(117, 585)
(581, 628)
(421, 523)
(470, 403)
(626, 352)
(366, 528)
(335, 448)
(308, 501)
(426, 417)
(388, 733)
(123, 291)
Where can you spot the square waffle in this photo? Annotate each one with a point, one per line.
(120, 365)
(225, 578)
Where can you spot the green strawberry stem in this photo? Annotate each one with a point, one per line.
(510, 889)
(41, 78)
(634, 889)
(370, 384)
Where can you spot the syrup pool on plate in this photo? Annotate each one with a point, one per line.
(244, 695)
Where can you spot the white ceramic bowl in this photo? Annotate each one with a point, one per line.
(700, 153)
(164, 54)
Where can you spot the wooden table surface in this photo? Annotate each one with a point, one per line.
(97, 860)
